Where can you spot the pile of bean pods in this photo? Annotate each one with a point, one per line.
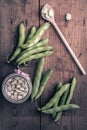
(40, 81)
(60, 101)
(32, 47)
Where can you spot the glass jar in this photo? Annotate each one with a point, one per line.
(17, 87)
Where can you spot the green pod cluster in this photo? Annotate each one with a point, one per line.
(55, 97)
(36, 38)
(35, 56)
(66, 98)
(60, 101)
(33, 48)
(40, 81)
(39, 44)
(34, 51)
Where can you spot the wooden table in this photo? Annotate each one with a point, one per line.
(25, 116)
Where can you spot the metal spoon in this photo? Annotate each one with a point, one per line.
(51, 19)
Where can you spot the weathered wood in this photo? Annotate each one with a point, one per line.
(25, 116)
(64, 68)
(12, 12)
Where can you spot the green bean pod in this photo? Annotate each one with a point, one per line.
(55, 97)
(32, 33)
(35, 56)
(21, 35)
(62, 102)
(60, 108)
(37, 78)
(57, 102)
(72, 87)
(36, 38)
(39, 44)
(34, 51)
(20, 42)
(43, 83)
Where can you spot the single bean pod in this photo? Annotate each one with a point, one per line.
(20, 42)
(62, 102)
(43, 83)
(60, 108)
(35, 56)
(36, 38)
(57, 102)
(37, 78)
(34, 51)
(39, 44)
(55, 97)
(21, 35)
(72, 87)
(32, 33)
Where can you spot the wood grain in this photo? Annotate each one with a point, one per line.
(62, 63)
(25, 116)
(12, 12)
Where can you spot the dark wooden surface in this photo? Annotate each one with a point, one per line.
(25, 116)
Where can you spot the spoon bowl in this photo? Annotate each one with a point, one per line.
(47, 8)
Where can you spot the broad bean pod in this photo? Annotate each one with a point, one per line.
(57, 102)
(60, 108)
(20, 42)
(35, 56)
(36, 38)
(34, 51)
(37, 78)
(32, 33)
(39, 44)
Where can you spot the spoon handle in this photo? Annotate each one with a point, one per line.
(69, 48)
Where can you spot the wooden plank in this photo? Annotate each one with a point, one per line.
(23, 116)
(64, 68)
